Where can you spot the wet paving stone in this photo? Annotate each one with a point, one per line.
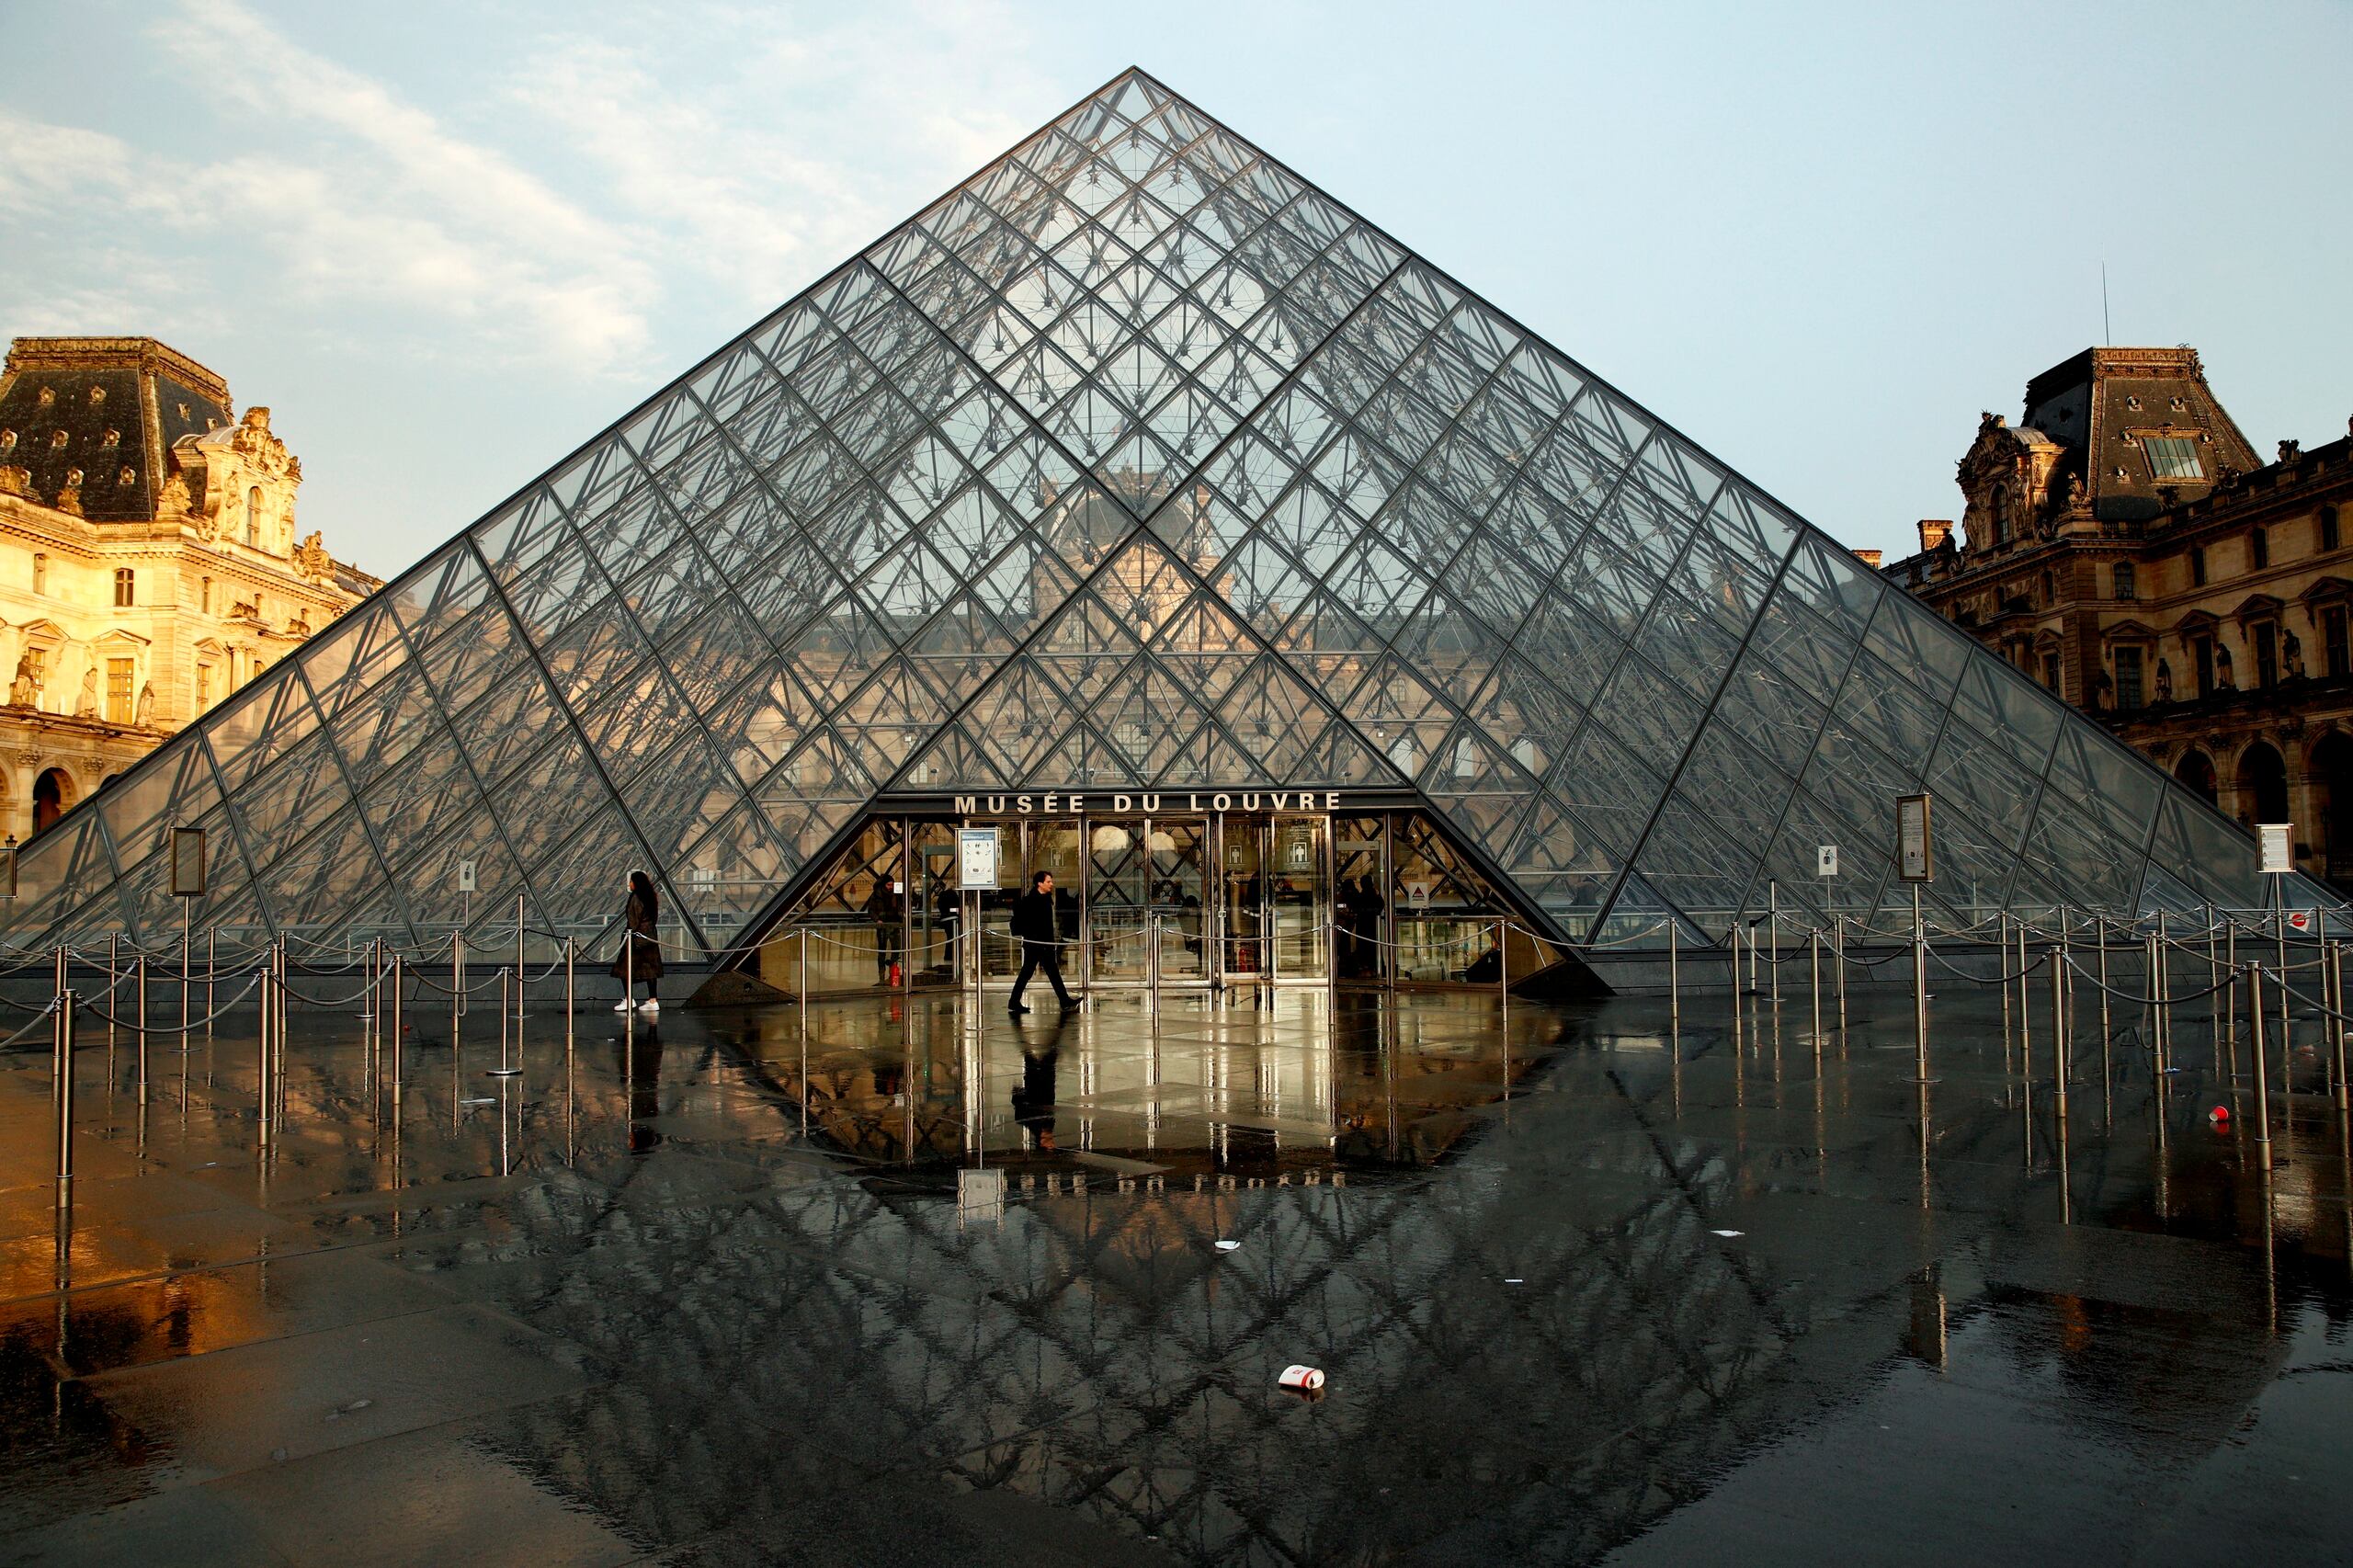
(897, 1283)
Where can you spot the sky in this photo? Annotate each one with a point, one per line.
(446, 247)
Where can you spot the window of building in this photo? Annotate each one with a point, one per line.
(2332, 640)
(2050, 591)
(253, 516)
(2258, 548)
(2267, 654)
(2050, 671)
(204, 596)
(41, 573)
(203, 687)
(126, 587)
(2198, 567)
(119, 691)
(2124, 579)
(2201, 656)
(2326, 530)
(2129, 692)
(2172, 459)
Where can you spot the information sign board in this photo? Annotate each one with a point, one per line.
(1825, 860)
(1914, 859)
(2279, 855)
(976, 859)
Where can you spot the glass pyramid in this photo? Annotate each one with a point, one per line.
(1135, 460)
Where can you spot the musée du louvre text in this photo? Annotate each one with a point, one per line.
(1101, 802)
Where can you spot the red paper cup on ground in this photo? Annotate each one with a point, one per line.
(1306, 1379)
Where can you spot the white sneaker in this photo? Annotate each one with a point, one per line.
(650, 1004)
(622, 1005)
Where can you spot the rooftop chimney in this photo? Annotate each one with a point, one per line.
(1868, 557)
(1933, 531)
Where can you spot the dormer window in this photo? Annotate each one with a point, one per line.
(111, 439)
(57, 440)
(8, 440)
(47, 398)
(97, 396)
(2173, 459)
(2179, 406)
(128, 477)
(2133, 404)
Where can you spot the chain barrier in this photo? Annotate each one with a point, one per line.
(48, 1010)
(2010, 979)
(259, 975)
(2139, 1001)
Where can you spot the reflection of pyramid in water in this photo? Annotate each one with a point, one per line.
(1135, 460)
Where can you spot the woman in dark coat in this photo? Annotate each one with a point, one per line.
(640, 954)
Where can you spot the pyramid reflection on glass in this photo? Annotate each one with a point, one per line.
(1135, 460)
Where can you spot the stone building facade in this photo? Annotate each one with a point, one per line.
(150, 563)
(2125, 545)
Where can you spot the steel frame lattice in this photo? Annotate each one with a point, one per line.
(1134, 461)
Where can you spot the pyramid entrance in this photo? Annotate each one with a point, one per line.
(1170, 889)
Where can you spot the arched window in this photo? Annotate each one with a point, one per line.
(126, 587)
(253, 516)
(2124, 585)
(2263, 784)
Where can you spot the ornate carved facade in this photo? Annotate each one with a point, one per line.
(2125, 546)
(149, 562)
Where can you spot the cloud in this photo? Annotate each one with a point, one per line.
(778, 152)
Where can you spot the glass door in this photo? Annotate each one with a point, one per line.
(1178, 860)
(1298, 898)
(1117, 887)
(1241, 899)
(935, 909)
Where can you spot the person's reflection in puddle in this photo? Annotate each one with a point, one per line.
(641, 1065)
(1033, 1098)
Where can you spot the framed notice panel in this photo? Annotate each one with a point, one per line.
(976, 859)
(1915, 861)
(188, 862)
(2279, 855)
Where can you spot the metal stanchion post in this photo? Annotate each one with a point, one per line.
(1814, 960)
(141, 1029)
(2262, 1067)
(1919, 985)
(2002, 961)
(2059, 1052)
(519, 973)
(2103, 982)
(114, 1004)
(457, 983)
(63, 1047)
(1773, 931)
(397, 1052)
(507, 1068)
(1674, 980)
(262, 1065)
(211, 977)
(1838, 940)
(2149, 978)
(2337, 1020)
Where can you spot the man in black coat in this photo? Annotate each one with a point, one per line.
(1034, 924)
